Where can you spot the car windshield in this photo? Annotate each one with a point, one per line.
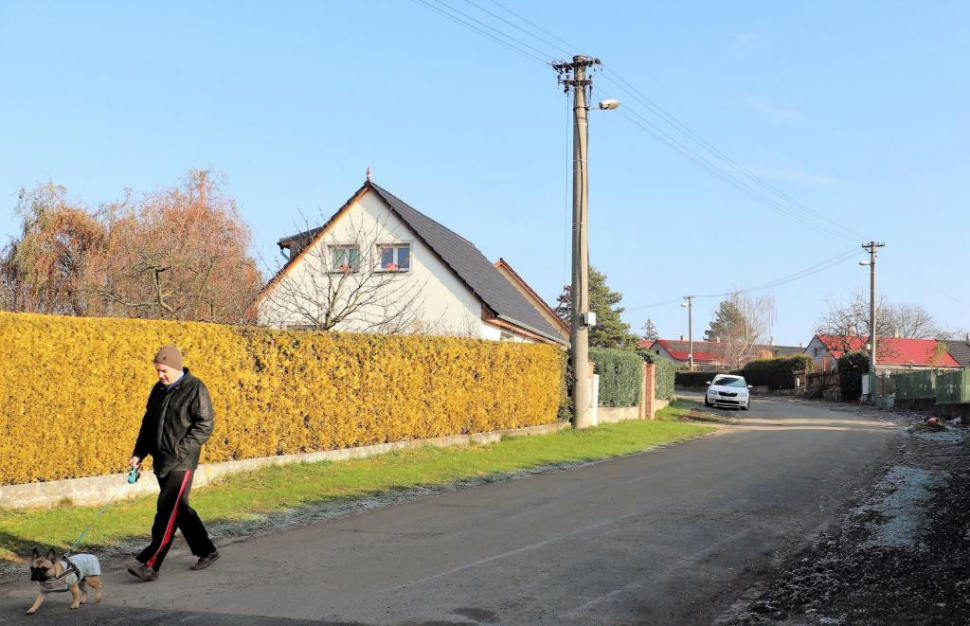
(729, 382)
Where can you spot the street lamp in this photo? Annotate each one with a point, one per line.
(689, 305)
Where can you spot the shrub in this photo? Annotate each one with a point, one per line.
(74, 389)
(664, 372)
(621, 376)
(778, 372)
(565, 413)
(852, 366)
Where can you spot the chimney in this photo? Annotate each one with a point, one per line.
(896, 333)
(682, 338)
(771, 341)
(968, 335)
(800, 345)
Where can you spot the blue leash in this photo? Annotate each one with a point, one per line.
(133, 475)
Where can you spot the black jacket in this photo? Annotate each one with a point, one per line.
(178, 420)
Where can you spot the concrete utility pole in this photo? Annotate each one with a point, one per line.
(690, 329)
(871, 247)
(573, 76)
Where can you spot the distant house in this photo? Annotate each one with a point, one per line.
(398, 270)
(710, 355)
(893, 353)
(960, 351)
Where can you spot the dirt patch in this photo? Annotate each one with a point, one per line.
(899, 555)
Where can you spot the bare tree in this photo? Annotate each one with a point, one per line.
(914, 322)
(852, 319)
(182, 254)
(752, 323)
(46, 269)
(179, 253)
(355, 280)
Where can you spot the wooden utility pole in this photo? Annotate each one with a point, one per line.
(871, 247)
(573, 76)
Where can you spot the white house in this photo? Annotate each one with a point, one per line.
(379, 265)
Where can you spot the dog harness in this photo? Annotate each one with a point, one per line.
(79, 567)
(56, 585)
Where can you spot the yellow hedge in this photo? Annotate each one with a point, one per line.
(73, 390)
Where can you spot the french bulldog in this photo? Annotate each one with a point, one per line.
(72, 574)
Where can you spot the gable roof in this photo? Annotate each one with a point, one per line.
(960, 351)
(711, 351)
(303, 242)
(523, 287)
(704, 351)
(892, 350)
(471, 266)
(457, 254)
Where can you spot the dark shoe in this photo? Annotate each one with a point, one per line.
(206, 561)
(144, 572)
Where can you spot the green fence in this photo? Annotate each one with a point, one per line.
(919, 384)
(953, 388)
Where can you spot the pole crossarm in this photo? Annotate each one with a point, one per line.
(572, 74)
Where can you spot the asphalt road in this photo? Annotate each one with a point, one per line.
(671, 536)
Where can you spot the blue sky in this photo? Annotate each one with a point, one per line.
(857, 110)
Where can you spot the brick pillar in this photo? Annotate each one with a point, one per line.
(647, 409)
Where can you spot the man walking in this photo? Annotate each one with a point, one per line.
(178, 420)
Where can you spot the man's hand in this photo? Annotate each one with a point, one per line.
(134, 461)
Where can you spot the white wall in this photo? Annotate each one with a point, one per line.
(495, 333)
(816, 345)
(444, 305)
(663, 352)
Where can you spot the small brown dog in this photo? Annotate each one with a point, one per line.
(65, 574)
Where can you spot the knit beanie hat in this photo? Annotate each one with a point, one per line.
(170, 356)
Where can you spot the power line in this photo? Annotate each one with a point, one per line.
(474, 28)
(810, 217)
(488, 26)
(805, 273)
(673, 143)
(516, 26)
(660, 112)
(800, 211)
(572, 48)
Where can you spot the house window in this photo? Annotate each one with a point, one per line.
(395, 258)
(345, 258)
(506, 336)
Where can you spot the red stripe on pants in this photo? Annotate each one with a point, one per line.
(170, 529)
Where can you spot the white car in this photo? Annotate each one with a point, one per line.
(727, 390)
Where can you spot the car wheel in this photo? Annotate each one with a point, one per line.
(746, 407)
(707, 403)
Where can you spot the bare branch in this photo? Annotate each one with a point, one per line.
(340, 281)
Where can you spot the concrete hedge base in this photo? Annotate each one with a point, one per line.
(96, 490)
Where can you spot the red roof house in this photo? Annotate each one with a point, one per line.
(708, 355)
(891, 352)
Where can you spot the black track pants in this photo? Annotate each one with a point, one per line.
(174, 512)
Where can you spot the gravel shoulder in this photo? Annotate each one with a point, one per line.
(898, 554)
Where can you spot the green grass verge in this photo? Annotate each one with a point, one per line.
(253, 494)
